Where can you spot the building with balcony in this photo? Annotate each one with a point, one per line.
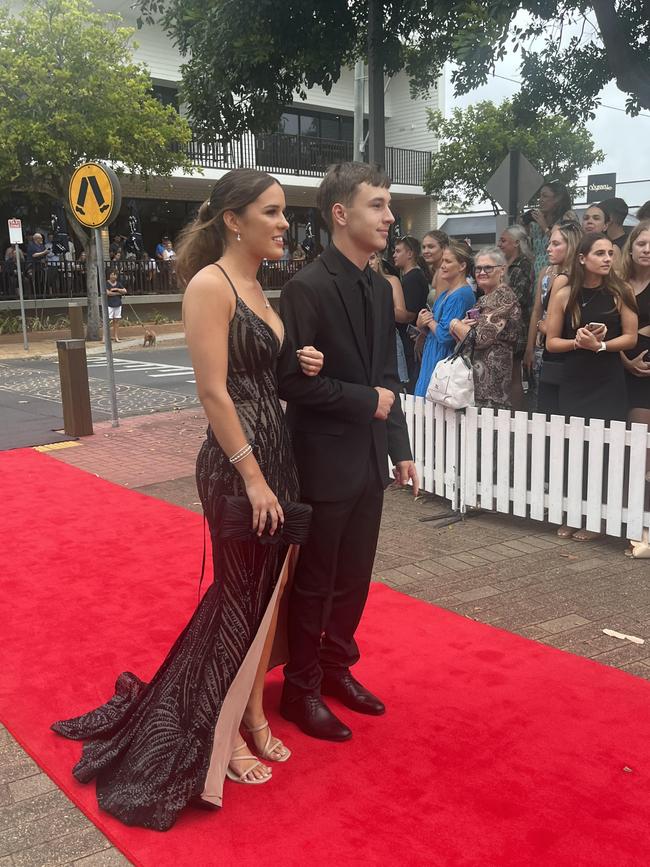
(310, 135)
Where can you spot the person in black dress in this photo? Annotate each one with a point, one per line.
(546, 369)
(155, 747)
(592, 319)
(416, 284)
(635, 270)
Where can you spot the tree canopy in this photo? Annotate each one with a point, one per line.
(69, 92)
(474, 141)
(245, 59)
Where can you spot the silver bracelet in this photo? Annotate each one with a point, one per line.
(243, 452)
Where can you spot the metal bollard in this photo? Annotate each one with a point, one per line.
(75, 394)
(75, 312)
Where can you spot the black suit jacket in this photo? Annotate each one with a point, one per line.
(331, 415)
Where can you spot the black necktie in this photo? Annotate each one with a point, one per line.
(368, 321)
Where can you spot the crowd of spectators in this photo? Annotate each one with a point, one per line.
(559, 312)
(442, 289)
(51, 268)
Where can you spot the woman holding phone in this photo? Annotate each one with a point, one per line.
(592, 320)
(452, 303)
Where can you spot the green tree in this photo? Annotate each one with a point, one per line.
(474, 141)
(246, 59)
(69, 92)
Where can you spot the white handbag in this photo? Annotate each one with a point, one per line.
(452, 380)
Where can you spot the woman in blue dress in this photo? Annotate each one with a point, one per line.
(452, 302)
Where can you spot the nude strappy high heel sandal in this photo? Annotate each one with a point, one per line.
(242, 778)
(270, 745)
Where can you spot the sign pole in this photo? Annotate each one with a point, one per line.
(108, 347)
(513, 191)
(19, 272)
(95, 197)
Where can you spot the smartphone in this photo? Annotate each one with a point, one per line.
(473, 313)
(412, 331)
(595, 326)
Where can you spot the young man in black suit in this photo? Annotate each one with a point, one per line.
(345, 423)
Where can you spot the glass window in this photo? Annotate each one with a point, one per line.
(309, 125)
(347, 128)
(288, 123)
(166, 95)
(329, 126)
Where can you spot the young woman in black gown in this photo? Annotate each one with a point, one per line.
(593, 320)
(155, 747)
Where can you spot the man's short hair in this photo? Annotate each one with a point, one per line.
(616, 209)
(341, 183)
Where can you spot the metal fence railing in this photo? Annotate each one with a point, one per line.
(302, 155)
(68, 279)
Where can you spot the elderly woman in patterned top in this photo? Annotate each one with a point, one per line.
(496, 321)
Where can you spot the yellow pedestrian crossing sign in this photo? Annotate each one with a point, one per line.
(95, 195)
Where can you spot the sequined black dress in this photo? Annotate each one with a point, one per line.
(155, 745)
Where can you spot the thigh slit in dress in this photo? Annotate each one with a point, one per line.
(154, 746)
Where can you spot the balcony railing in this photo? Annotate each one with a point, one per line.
(68, 279)
(302, 155)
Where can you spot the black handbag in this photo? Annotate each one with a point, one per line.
(234, 520)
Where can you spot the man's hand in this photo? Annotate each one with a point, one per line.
(405, 470)
(386, 400)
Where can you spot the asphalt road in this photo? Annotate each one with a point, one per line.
(161, 369)
(147, 381)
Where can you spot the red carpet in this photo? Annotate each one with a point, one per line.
(495, 750)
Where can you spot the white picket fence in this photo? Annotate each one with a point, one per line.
(577, 472)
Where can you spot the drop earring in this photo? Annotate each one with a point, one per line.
(238, 236)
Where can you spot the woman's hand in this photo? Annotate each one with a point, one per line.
(586, 339)
(424, 318)
(639, 365)
(265, 505)
(310, 360)
(529, 358)
(539, 219)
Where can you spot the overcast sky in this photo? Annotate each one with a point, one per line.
(624, 139)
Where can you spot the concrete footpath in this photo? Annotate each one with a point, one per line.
(41, 345)
(513, 573)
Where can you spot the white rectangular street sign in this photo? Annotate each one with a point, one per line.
(15, 231)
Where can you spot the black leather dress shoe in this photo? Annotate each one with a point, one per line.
(352, 694)
(314, 718)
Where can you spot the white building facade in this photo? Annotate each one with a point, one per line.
(311, 135)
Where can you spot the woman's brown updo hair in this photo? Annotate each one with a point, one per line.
(203, 241)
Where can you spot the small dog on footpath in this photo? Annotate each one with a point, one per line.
(149, 337)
